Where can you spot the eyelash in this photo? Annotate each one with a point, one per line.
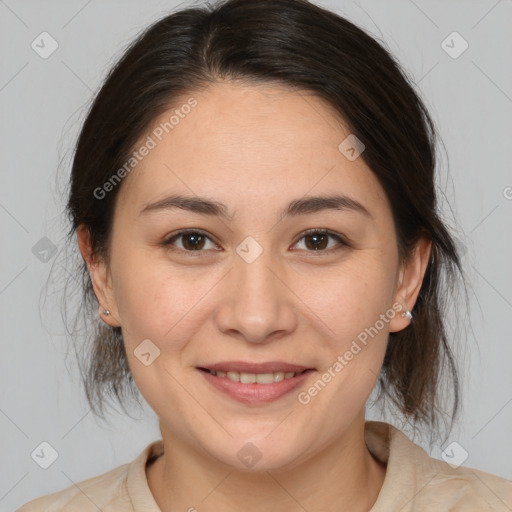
(200, 253)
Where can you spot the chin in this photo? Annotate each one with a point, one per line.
(257, 455)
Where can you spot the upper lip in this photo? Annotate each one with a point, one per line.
(247, 367)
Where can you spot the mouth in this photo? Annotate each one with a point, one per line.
(255, 383)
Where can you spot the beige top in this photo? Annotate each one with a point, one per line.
(414, 482)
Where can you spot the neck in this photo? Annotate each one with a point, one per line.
(343, 476)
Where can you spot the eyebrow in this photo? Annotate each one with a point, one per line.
(302, 206)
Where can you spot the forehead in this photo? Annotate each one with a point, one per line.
(248, 145)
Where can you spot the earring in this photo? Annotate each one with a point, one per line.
(104, 311)
(407, 314)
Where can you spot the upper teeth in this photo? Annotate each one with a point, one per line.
(251, 378)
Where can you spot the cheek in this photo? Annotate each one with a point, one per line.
(356, 305)
(151, 301)
(357, 309)
(158, 300)
(145, 295)
(349, 298)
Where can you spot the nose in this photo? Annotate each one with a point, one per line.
(258, 303)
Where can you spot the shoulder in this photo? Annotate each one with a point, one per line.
(467, 488)
(92, 494)
(415, 481)
(109, 492)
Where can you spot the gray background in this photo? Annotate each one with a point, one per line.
(42, 103)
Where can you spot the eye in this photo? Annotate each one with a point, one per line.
(190, 241)
(318, 240)
(194, 241)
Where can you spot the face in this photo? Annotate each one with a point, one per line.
(247, 289)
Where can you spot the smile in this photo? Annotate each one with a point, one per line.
(255, 387)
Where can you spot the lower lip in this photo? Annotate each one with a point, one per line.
(255, 393)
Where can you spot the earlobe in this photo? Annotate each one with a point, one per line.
(100, 278)
(409, 283)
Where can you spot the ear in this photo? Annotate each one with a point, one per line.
(410, 279)
(100, 277)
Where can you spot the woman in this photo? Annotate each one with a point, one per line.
(253, 197)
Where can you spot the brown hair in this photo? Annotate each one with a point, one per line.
(299, 45)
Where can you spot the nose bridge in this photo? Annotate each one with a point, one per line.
(256, 280)
(258, 303)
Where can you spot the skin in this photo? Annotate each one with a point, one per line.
(255, 148)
